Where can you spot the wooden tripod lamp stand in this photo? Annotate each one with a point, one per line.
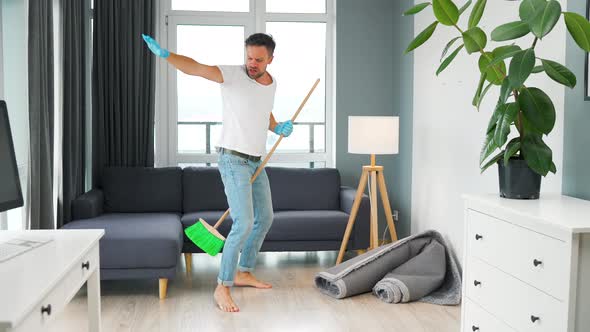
(371, 135)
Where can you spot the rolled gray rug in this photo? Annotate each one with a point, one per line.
(360, 274)
(415, 278)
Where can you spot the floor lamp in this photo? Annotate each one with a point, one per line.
(373, 135)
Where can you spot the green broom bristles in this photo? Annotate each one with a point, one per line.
(205, 237)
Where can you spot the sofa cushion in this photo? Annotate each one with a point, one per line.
(318, 225)
(304, 188)
(202, 189)
(142, 189)
(136, 240)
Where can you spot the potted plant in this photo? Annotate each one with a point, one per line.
(528, 110)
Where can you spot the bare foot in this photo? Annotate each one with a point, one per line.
(248, 279)
(224, 300)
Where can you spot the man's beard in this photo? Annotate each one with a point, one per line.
(255, 76)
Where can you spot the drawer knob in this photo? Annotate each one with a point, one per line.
(476, 283)
(534, 318)
(46, 310)
(474, 328)
(537, 262)
(477, 237)
(86, 265)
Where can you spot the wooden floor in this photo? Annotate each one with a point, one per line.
(294, 304)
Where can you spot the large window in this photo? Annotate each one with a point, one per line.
(213, 33)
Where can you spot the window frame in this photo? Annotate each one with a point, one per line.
(253, 21)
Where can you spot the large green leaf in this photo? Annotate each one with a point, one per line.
(505, 91)
(488, 148)
(416, 9)
(448, 60)
(538, 69)
(510, 31)
(528, 127)
(492, 161)
(544, 23)
(504, 122)
(422, 37)
(530, 9)
(505, 51)
(579, 28)
(537, 154)
(511, 149)
(476, 13)
(482, 80)
(496, 73)
(537, 108)
(482, 95)
(445, 11)
(498, 111)
(559, 73)
(502, 53)
(521, 66)
(448, 46)
(475, 40)
(464, 7)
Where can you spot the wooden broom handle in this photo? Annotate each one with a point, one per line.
(274, 147)
(261, 167)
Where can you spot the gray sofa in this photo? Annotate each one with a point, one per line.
(145, 210)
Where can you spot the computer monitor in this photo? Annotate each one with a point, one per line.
(10, 191)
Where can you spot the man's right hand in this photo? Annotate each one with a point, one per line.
(154, 47)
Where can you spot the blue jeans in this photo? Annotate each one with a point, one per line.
(251, 212)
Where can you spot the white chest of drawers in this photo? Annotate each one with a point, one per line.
(526, 264)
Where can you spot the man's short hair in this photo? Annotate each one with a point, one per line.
(262, 39)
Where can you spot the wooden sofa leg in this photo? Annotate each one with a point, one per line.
(163, 288)
(188, 261)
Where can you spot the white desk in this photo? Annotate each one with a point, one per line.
(37, 285)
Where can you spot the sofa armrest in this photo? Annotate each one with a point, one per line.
(88, 205)
(360, 231)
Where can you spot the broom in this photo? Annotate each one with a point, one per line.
(208, 238)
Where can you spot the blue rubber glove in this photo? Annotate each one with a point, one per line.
(154, 47)
(284, 128)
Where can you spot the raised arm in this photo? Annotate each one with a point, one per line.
(183, 63)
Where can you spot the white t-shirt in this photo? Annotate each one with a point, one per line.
(247, 105)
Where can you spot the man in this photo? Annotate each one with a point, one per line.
(247, 96)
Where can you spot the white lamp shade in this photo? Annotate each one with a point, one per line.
(373, 134)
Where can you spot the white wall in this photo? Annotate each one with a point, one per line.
(448, 132)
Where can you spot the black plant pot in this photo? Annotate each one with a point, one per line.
(518, 180)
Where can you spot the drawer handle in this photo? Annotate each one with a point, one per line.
(534, 318)
(46, 310)
(476, 283)
(86, 265)
(477, 237)
(537, 262)
(474, 328)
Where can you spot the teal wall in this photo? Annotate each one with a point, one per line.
(15, 77)
(374, 78)
(576, 154)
